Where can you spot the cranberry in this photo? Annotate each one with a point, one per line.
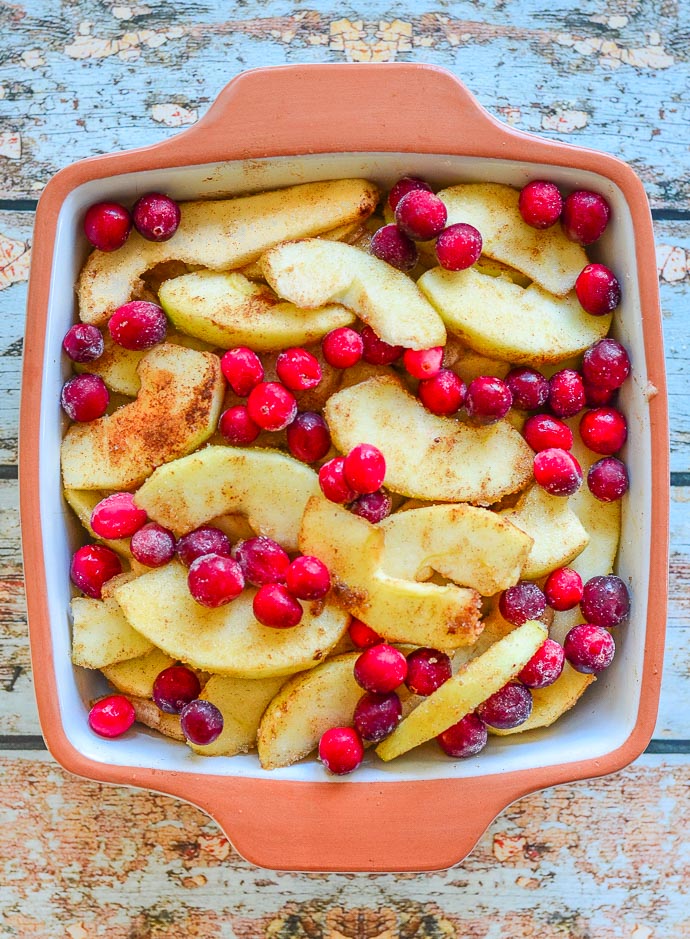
(112, 716)
(381, 668)
(427, 670)
(377, 715)
(558, 472)
(107, 225)
(85, 398)
(598, 397)
(308, 438)
(262, 560)
(376, 351)
(606, 364)
(598, 290)
(201, 722)
(509, 707)
(153, 545)
(522, 602)
(458, 247)
(604, 430)
(607, 479)
(373, 506)
(117, 516)
(307, 578)
(138, 325)
(540, 204)
(543, 432)
(563, 589)
(341, 750)
(342, 347)
(421, 215)
(174, 687)
(92, 566)
(444, 394)
(204, 540)
(589, 649)
(237, 427)
(544, 667)
(585, 216)
(403, 186)
(214, 580)
(362, 636)
(156, 216)
(566, 393)
(298, 369)
(605, 600)
(83, 343)
(242, 369)
(423, 363)
(529, 388)
(488, 399)
(391, 245)
(333, 483)
(466, 738)
(364, 468)
(272, 406)
(275, 607)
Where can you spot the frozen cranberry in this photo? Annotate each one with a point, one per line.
(341, 750)
(598, 290)
(272, 406)
(544, 667)
(522, 602)
(138, 325)
(364, 468)
(607, 479)
(237, 427)
(242, 369)
(444, 394)
(117, 516)
(376, 351)
(174, 687)
(427, 670)
(153, 545)
(201, 722)
(107, 225)
(112, 716)
(466, 738)
(391, 245)
(381, 668)
(85, 398)
(606, 364)
(377, 715)
(585, 216)
(540, 204)
(488, 399)
(362, 636)
(274, 606)
(156, 217)
(298, 369)
(421, 215)
(543, 432)
(566, 393)
(92, 566)
(598, 397)
(589, 649)
(529, 388)
(423, 363)
(458, 247)
(204, 540)
(262, 560)
(342, 347)
(333, 483)
(308, 438)
(558, 472)
(214, 580)
(563, 589)
(403, 186)
(509, 707)
(605, 600)
(307, 578)
(604, 430)
(83, 343)
(373, 506)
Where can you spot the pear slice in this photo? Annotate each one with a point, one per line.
(428, 457)
(102, 636)
(313, 272)
(136, 676)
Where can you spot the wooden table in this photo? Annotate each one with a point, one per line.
(604, 859)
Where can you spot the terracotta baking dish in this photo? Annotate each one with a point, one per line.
(269, 128)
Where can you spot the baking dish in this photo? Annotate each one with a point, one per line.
(276, 127)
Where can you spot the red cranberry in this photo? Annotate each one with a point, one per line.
(204, 540)
(117, 516)
(488, 399)
(156, 217)
(391, 245)
(544, 667)
(444, 394)
(563, 589)
(466, 738)
(604, 430)
(107, 225)
(558, 472)
(598, 397)
(308, 438)
(421, 215)
(540, 204)
(605, 600)
(373, 506)
(174, 687)
(607, 479)
(272, 406)
(112, 716)
(242, 369)
(522, 602)
(85, 398)
(606, 364)
(275, 607)
(403, 186)
(427, 670)
(598, 290)
(83, 343)
(364, 468)
(458, 247)
(262, 560)
(585, 216)
(376, 351)
(362, 636)
(589, 649)
(237, 427)
(566, 393)
(138, 325)
(529, 388)
(153, 545)
(333, 483)
(341, 750)
(423, 363)
(215, 580)
(377, 715)
(342, 347)
(381, 668)
(298, 369)
(92, 566)
(307, 578)
(201, 722)
(543, 432)
(509, 707)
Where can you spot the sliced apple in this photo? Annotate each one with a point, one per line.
(136, 676)
(83, 502)
(548, 704)
(148, 713)
(101, 635)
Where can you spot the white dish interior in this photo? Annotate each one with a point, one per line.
(602, 720)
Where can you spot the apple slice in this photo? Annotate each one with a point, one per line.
(311, 273)
(349, 233)
(136, 676)
(148, 713)
(83, 502)
(548, 704)
(428, 457)
(102, 636)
